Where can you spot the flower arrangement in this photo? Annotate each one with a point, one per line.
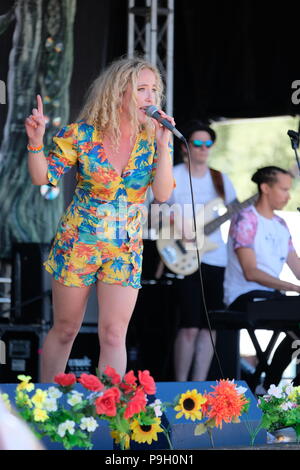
(226, 402)
(281, 408)
(70, 416)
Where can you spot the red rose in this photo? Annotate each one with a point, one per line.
(130, 378)
(106, 404)
(112, 374)
(147, 382)
(136, 404)
(129, 382)
(116, 392)
(91, 382)
(65, 380)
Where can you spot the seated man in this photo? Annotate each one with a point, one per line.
(258, 246)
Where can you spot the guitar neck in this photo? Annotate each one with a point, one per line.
(232, 208)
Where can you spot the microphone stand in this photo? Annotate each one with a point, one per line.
(294, 136)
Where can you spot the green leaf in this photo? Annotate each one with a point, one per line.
(200, 429)
(145, 419)
(122, 425)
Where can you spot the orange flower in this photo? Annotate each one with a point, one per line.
(101, 177)
(67, 236)
(225, 403)
(84, 251)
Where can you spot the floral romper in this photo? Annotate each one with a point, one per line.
(100, 235)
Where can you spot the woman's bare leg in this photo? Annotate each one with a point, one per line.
(204, 352)
(69, 304)
(184, 350)
(116, 304)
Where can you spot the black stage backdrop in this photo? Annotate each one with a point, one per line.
(235, 59)
(231, 59)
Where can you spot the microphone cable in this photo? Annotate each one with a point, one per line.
(199, 262)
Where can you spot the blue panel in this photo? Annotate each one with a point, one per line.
(231, 435)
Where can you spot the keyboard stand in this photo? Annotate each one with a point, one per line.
(227, 319)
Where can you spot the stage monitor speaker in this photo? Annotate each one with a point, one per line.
(228, 350)
(84, 356)
(31, 284)
(152, 329)
(22, 346)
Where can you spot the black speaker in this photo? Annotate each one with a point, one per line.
(31, 284)
(21, 346)
(152, 329)
(228, 350)
(84, 356)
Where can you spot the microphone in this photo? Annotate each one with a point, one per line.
(294, 136)
(152, 111)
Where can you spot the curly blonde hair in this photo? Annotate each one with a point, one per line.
(104, 100)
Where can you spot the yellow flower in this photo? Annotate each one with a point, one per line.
(189, 405)
(25, 385)
(145, 432)
(40, 415)
(22, 399)
(39, 398)
(5, 399)
(121, 436)
(294, 394)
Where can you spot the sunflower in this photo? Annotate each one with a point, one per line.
(121, 438)
(189, 405)
(145, 432)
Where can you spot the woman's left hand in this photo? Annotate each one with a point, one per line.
(162, 133)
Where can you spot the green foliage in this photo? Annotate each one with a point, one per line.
(243, 146)
(281, 408)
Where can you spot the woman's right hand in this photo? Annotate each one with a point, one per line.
(35, 124)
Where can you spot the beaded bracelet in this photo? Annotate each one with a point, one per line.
(35, 149)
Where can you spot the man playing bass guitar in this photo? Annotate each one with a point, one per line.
(193, 348)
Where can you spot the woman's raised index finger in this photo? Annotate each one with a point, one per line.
(39, 104)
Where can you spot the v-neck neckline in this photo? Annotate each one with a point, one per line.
(128, 161)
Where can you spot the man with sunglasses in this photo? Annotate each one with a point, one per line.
(193, 347)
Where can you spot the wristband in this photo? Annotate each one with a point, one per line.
(35, 149)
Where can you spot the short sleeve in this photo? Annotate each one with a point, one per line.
(154, 164)
(63, 153)
(290, 241)
(291, 245)
(243, 229)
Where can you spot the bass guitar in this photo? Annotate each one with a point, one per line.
(180, 255)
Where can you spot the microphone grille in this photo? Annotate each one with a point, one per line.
(150, 110)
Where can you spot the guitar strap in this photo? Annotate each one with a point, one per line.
(218, 182)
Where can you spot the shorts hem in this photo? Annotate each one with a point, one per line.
(120, 283)
(64, 281)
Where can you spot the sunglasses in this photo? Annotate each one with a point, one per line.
(200, 143)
